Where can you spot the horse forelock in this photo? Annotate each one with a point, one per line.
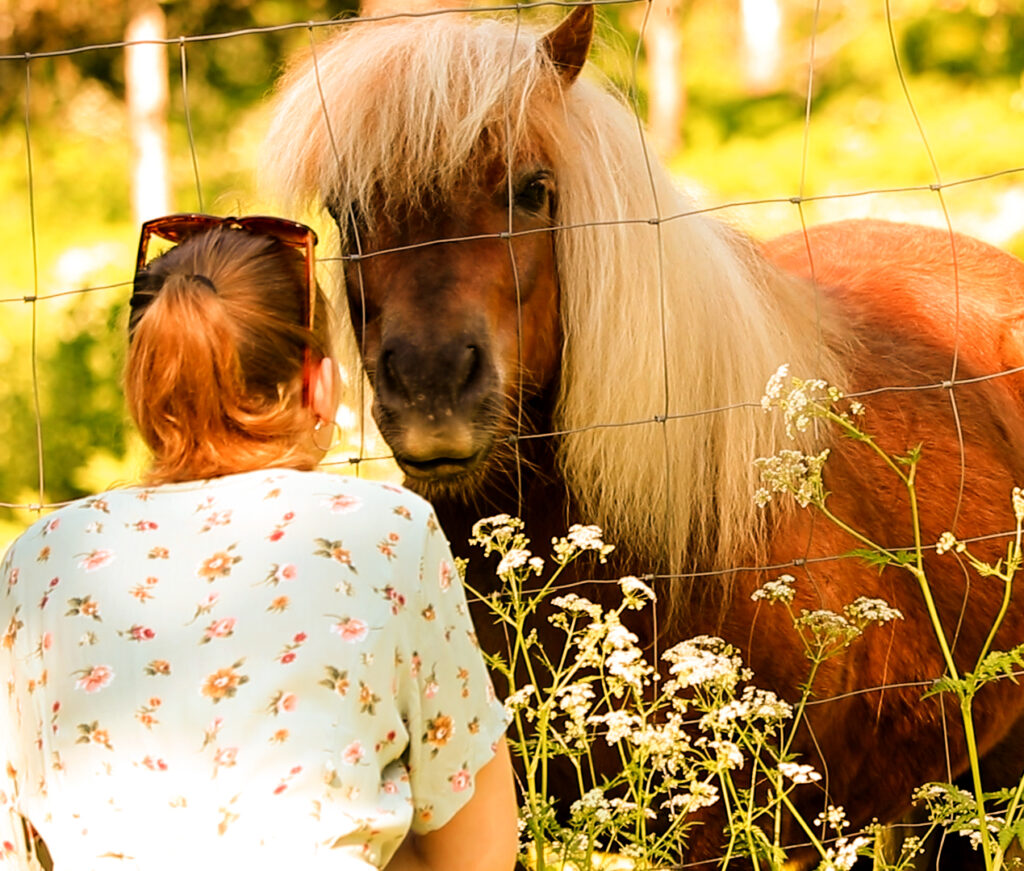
(393, 114)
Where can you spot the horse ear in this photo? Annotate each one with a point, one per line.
(567, 44)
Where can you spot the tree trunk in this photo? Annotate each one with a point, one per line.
(663, 44)
(762, 48)
(146, 92)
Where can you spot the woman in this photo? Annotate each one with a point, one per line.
(243, 662)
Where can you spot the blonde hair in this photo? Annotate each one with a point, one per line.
(215, 362)
(679, 319)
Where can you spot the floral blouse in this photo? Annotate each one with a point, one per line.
(274, 669)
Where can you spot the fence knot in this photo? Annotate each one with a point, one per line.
(660, 418)
(799, 561)
(947, 385)
(31, 298)
(504, 234)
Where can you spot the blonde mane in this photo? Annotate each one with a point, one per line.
(676, 317)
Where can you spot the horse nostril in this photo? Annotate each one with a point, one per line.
(470, 371)
(388, 377)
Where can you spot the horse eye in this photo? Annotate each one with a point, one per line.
(535, 194)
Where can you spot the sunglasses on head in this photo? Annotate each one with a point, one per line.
(178, 228)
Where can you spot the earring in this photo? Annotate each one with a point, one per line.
(334, 428)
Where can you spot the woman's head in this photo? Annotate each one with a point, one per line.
(219, 353)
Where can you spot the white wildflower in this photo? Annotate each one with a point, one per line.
(519, 699)
(514, 559)
(728, 755)
(827, 628)
(864, 610)
(779, 590)
(946, 542)
(773, 389)
(834, 817)
(635, 592)
(580, 538)
(498, 533)
(794, 473)
(620, 724)
(1018, 504)
(843, 854)
(577, 605)
(575, 699)
(592, 805)
(705, 660)
(700, 795)
(798, 773)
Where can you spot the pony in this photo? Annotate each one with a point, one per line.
(551, 328)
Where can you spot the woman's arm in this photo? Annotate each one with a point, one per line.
(482, 836)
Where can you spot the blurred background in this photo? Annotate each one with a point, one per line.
(113, 112)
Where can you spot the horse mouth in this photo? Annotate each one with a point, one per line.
(438, 468)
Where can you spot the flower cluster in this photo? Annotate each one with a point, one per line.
(794, 473)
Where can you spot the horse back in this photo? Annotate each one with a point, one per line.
(918, 283)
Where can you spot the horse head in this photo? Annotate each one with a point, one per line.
(451, 279)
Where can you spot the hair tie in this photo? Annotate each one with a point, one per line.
(202, 279)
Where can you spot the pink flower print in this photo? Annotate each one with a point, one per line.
(289, 517)
(351, 629)
(158, 553)
(224, 757)
(342, 503)
(403, 512)
(139, 632)
(460, 780)
(217, 518)
(283, 703)
(154, 764)
(218, 629)
(299, 638)
(287, 657)
(96, 559)
(144, 525)
(279, 604)
(47, 641)
(445, 574)
(353, 753)
(430, 690)
(94, 679)
(276, 535)
(51, 525)
(414, 664)
(12, 577)
(288, 572)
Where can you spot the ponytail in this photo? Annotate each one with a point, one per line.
(215, 363)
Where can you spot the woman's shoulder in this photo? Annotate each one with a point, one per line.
(343, 494)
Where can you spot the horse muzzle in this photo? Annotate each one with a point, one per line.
(436, 408)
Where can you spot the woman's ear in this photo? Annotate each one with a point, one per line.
(324, 382)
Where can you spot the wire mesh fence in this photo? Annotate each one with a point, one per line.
(802, 204)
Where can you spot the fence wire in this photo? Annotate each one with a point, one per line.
(938, 186)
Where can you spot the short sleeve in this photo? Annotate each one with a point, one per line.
(12, 837)
(454, 719)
